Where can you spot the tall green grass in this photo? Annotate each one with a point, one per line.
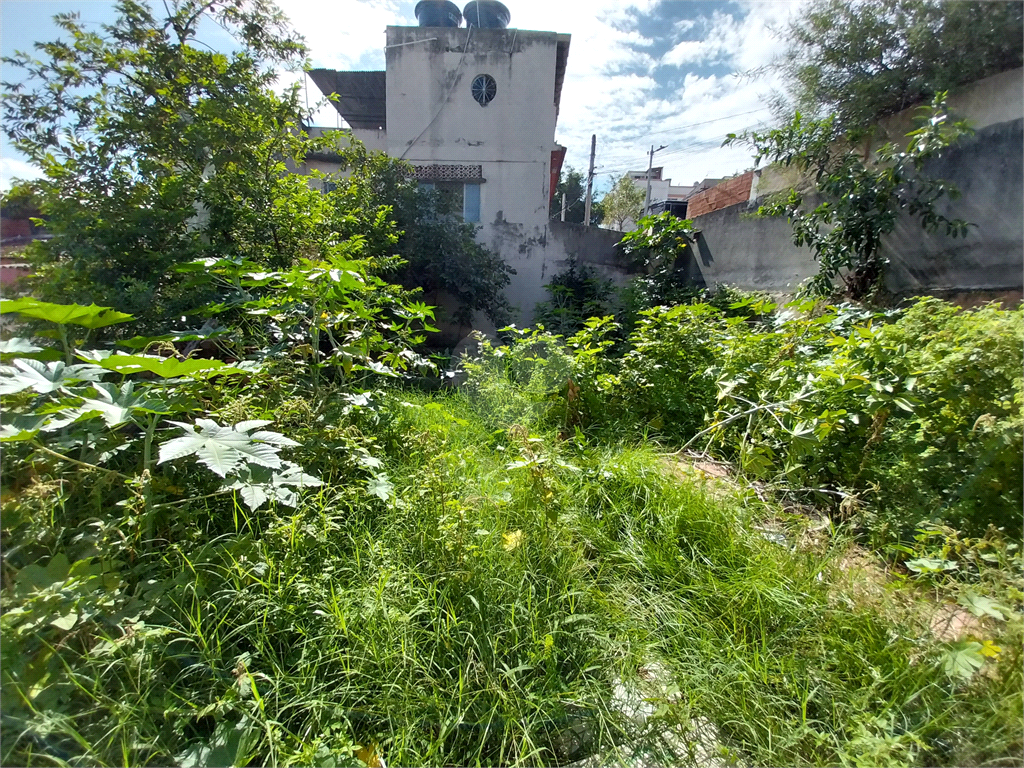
(484, 614)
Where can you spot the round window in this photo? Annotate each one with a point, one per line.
(484, 89)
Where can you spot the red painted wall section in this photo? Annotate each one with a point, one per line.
(557, 156)
(15, 228)
(729, 192)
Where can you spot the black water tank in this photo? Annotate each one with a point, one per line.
(486, 14)
(437, 13)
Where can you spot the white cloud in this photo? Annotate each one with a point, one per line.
(611, 86)
(12, 168)
(688, 52)
(694, 120)
(345, 34)
(614, 87)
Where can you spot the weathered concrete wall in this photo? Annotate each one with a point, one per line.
(593, 246)
(991, 101)
(987, 168)
(548, 254)
(750, 253)
(375, 139)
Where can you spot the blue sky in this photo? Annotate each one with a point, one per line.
(648, 72)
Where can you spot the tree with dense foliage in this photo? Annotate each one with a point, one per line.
(864, 59)
(573, 184)
(439, 248)
(167, 152)
(858, 200)
(442, 255)
(21, 201)
(157, 151)
(658, 249)
(624, 203)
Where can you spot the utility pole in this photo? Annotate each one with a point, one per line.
(563, 206)
(590, 180)
(650, 165)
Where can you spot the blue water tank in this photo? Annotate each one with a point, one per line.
(437, 13)
(486, 14)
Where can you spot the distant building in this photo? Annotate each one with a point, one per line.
(661, 189)
(473, 109)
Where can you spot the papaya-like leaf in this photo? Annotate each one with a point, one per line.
(166, 367)
(91, 316)
(18, 346)
(222, 449)
(379, 485)
(257, 484)
(982, 606)
(43, 377)
(116, 405)
(20, 427)
(963, 659)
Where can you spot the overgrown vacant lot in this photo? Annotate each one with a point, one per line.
(248, 521)
(516, 572)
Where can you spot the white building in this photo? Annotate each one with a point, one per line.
(661, 189)
(473, 110)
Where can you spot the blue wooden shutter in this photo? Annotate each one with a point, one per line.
(471, 202)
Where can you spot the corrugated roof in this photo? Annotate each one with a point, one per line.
(362, 96)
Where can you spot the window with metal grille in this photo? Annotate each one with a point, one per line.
(484, 89)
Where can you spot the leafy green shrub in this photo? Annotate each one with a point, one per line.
(577, 294)
(665, 380)
(958, 458)
(541, 380)
(657, 248)
(910, 416)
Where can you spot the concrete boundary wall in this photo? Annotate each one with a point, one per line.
(738, 249)
(551, 253)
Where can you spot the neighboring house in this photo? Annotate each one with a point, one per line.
(722, 193)
(665, 196)
(473, 109)
(661, 189)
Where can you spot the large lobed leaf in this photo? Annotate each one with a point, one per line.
(44, 377)
(226, 449)
(90, 316)
(166, 367)
(257, 485)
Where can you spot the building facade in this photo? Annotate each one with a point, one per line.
(473, 110)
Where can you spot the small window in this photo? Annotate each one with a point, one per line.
(484, 89)
(471, 202)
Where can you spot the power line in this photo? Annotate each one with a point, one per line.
(696, 125)
(674, 152)
(706, 122)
